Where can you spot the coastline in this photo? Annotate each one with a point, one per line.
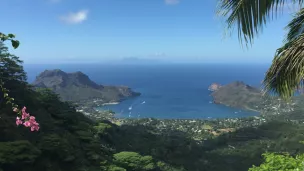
(110, 103)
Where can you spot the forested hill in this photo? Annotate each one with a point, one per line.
(78, 87)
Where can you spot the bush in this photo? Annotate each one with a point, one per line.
(102, 128)
(115, 168)
(283, 162)
(133, 161)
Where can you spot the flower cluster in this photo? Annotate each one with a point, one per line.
(26, 119)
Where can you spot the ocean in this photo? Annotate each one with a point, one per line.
(169, 91)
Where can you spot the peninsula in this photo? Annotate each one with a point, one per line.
(78, 87)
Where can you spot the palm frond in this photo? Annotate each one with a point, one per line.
(287, 70)
(296, 26)
(250, 16)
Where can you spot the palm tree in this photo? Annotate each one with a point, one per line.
(286, 73)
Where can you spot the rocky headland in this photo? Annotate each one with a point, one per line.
(78, 87)
(242, 96)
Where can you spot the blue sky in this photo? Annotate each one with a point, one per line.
(60, 31)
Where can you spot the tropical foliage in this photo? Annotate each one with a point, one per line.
(284, 162)
(10, 70)
(250, 16)
(65, 140)
(11, 38)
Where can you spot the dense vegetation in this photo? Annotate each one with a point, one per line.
(237, 150)
(65, 139)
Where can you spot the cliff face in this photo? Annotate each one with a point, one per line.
(77, 87)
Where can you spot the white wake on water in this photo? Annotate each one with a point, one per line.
(131, 108)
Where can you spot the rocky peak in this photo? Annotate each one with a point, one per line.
(52, 73)
(80, 79)
(58, 78)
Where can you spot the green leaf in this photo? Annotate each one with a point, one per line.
(15, 43)
(251, 16)
(5, 95)
(11, 36)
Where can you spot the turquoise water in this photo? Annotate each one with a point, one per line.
(168, 90)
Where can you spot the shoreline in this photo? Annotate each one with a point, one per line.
(115, 115)
(245, 109)
(110, 103)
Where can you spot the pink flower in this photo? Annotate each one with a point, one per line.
(15, 110)
(27, 120)
(18, 121)
(23, 109)
(27, 123)
(34, 128)
(32, 118)
(35, 123)
(24, 114)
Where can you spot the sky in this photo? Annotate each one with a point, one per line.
(66, 31)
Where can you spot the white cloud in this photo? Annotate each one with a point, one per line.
(172, 2)
(75, 18)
